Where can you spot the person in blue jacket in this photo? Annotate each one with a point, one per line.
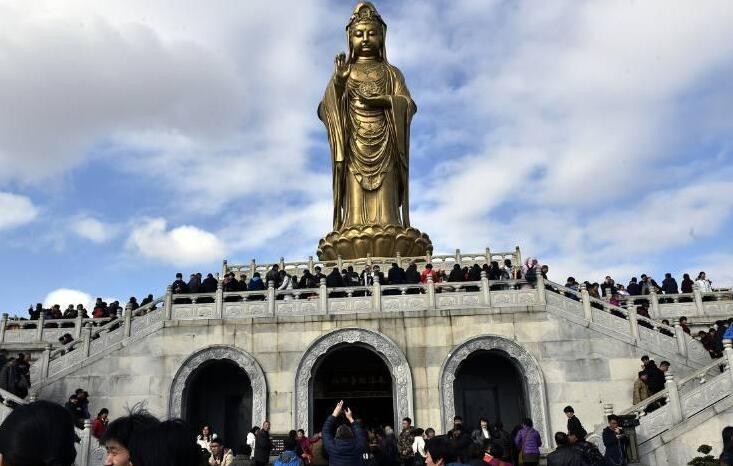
(347, 445)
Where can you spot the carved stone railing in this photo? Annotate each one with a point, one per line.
(439, 261)
(673, 306)
(635, 329)
(684, 398)
(14, 330)
(349, 300)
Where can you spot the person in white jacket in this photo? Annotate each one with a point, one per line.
(251, 438)
(703, 283)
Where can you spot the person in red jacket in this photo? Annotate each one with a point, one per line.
(428, 271)
(99, 424)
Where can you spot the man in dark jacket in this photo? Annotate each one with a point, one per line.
(179, 286)
(346, 446)
(669, 284)
(564, 454)
(633, 287)
(574, 424)
(263, 445)
(396, 275)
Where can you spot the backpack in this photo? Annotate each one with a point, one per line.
(287, 458)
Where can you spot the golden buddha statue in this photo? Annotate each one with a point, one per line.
(367, 111)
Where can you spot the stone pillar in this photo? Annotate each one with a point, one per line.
(3, 324)
(39, 330)
(488, 256)
(541, 299)
(518, 255)
(45, 361)
(85, 444)
(86, 342)
(458, 257)
(398, 259)
(219, 300)
(673, 398)
(168, 303)
(271, 297)
(224, 267)
(282, 263)
(310, 263)
(585, 298)
(252, 268)
(697, 296)
(728, 353)
(377, 295)
(633, 321)
(78, 325)
(128, 320)
(654, 305)
(607, 410)
(681, 340)
(431, 292)
(485, 289)
(323, 296)
(340, 262)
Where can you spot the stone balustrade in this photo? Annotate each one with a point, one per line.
(14, 330)
(693, 305)
(439, 261)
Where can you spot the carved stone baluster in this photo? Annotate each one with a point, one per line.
(86, 444)
(585, 298)
(728, 350)
(128, 320)
(485, 288)
(168, 303)
(681, 340)
(271, 297)
(41, 325)
(633, 322)
(86, 340)
(46, 361)
(431, 292)
(403, 290)
(673, 397)
(653, 304)
(323, 296)
(219, 300)
(697, 295)
(377, 294)
(540, 289)
(78, 325)
(3, 325)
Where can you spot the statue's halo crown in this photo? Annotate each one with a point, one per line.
(365, 12)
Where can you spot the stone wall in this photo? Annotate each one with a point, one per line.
(580, 366)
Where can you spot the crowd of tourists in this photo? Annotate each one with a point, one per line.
(140, 439)
(644, 285)
(101, 309)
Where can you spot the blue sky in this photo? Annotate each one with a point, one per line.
(139, 139)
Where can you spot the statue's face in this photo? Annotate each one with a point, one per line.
(366, 39)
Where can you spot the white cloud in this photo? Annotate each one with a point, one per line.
(92, 229)
(65, 296)
(16, 210)
(183, 245)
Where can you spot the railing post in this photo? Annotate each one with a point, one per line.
(323, 296)
(488, 256)
(518, 254)
(458, 256)
(310, 263)
(585, 298)
(168, 303)
(3, 324)
(541, 289)
(377, 294)
(485, 289)
(728, 353)
(681, 340)
(431, 292)
(252, 268)
(86, 441)
(45, 361)
(654, 307)
(86, 342)
(128, 320)
(271, 297)
(369, 259)
(78, 325)
(398, 259)
(41, 324)
(224, 267)
(607, 409)
(340, 262)
(673, 396)
(633, 321)
(282, 263)
(219, 300)
(697, 295)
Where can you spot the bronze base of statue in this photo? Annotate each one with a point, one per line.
(375, 240)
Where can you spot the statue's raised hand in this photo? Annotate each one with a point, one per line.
(343, 68)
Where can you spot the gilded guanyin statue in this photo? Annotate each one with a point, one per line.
(367, 110)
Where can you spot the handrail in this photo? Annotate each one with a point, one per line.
(7, 396)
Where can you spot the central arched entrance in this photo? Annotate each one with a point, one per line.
(489, 385)
(220, 395)
(360, 377)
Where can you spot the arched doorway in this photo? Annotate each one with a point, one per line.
(493, 349)
(219, 395)
(489, 385)
(370, 340)
(360, 377)
(228, 376)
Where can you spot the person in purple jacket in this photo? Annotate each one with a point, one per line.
(528, 443)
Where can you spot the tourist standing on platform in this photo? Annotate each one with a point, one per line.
(38, 434)
(564, 454)
(346, 445)
(118, 436)
(428, 272)
(99, 424)
(528, 442)
(482, 432)
(703, 283)
(615, 441)
(205, 437)
(406, 439)
(263, 444)
(220, 456)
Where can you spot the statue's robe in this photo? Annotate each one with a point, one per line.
(370, 167)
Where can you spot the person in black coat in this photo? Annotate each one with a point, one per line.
(615, 441)
(346, 445)
(669, 284)
(564, 454)
(396, 275)
(263, 445)
(574, 424)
